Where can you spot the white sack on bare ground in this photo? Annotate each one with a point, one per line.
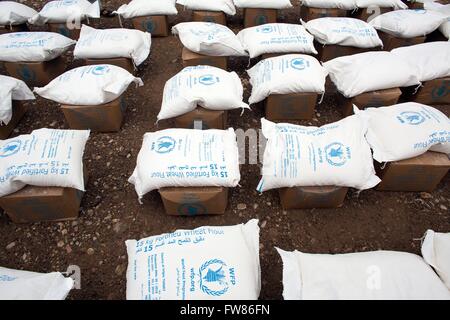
(11, 89)
(139, 8)
(226, 6)
(13, 13)
(66, 11)
(436, 252)
(265, 4)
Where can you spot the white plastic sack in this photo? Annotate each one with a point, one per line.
(436, 252)
(341, 4)
(186, 158)
(265, 4)
(443, 9)
(139, 8)
(291, 73)
(89, 85)
(406, 130)
(12, 13)
(113, 43)
(226, 6)
(432, 59)
(205, 263)
(11, 89)
(69, 11)
(26, 285)
(209, 38)
(276, 38)
(343, 32)
(445, 28)
(44, 158)
(369, 71)
(33, 46)
(373, 275)
(206, 86)
(408, 23)
(395, 4)
(336, 154)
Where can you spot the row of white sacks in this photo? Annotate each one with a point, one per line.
(223, 263)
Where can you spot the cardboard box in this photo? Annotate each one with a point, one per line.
(293, 106)
(210, 16)
(422, 173)
(36, 74)
(378, 98)
(18, 110)
(125, 63)
(14, 28)
(106, 117)
(158, 26)
(194, 59)
(190, 201)
(35, 204)
(206, 119)
(331, 51)
(310, 13)
(432, 92)
(62, 28)
(255, 16)
(312, 197)
(391, 42)
(365, 13)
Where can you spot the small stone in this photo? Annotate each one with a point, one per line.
(425, 195)
(255, 206)
(10, 246)
(269, 203)
(68, 249)
(60, 244)
(120, 269)
(90, 251)
(263, 224)
(128, 155)
(241, 206)
(64, 232)
(443, 207)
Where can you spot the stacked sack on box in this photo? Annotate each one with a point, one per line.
(11, 89)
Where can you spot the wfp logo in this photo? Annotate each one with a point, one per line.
(411, 117)
(26, 73)
(335, 154)
(10, 148)
(216, 277)
(265, 29)
(100, 70)
(191, 209)
(165, 144)
(299, 63)
(207, 79)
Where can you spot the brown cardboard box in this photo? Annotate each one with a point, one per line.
(390, 42)
(310, 13)
(34, 204)
(14, 28)
(365, 13)
(312, 197)
(378, 98)
(125, 63)
(293, 106)
(18, 110)
(208, 119)
(194, 201)
(422, 173)
(210, 16)
(331, 51)
(194, 59)
(36, 74)
(62, 28)
(158, 26)
(106, 117)
(255, 17)
(433, 92)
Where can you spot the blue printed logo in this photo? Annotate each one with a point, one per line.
(165, 144)
(411, 117)
(26, 74)
(207, 79)
(216, 277)
(149, 26)
(265, 29)
(335, 154)
(10, 148)
(5, 277)
(100, 70)
(191, 209)
(299, 63)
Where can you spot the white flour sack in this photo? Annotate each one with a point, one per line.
(343, 32)
(372, 275)
(12, 13)
(432, 59)
(336, 154)
(209, 38)
(394, 4)
(291, 73)
(113, 43)
(445, 28)
(408, 23)
(26, 285)
(341, 4)
(276, 38)
(209, 87)
(266, 4)
(186, 158)
(11, 89)
(89, 85)
(33, 46)
(207, 263)
(369, 71)
(139, 8)
(69, 11)
(406, 130)
(226, 6)
(443, 9)
(45, 158)
(436, 252)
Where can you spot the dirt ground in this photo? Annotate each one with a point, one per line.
(111, 214)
